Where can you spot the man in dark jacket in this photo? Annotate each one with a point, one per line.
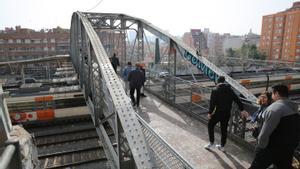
(115, 62)
(279, 135)
(136, 80)
(221, 99)
(142, 66)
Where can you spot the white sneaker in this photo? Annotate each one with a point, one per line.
(209, 146)
(221, 148)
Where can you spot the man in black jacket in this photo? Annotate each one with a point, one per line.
(136, 80)
(115, 62)
(221, 100)
(280, 133)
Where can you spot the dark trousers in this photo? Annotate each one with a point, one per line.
(138, 94)
(115, 67)
(211, 126)
(280, 157)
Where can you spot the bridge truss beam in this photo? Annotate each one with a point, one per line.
(105, 96)
(102, 21)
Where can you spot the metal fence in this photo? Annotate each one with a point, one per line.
(165, 156)
(193, 99)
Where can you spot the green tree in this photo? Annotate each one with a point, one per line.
(230, 53)
(252, 52)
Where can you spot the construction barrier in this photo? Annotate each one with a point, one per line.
(245, 82)
(196, 97)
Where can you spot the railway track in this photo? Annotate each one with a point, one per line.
(68, 143)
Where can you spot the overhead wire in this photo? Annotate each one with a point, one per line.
(95, 5)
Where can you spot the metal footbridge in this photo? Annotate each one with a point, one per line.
(94, 39)
(103, 89)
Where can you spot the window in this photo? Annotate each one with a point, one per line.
(52, 48)
(270, 19)
(27, 40)
(45, 48)
(18, 40)
(297, 50)
(298, 43)
(10, 41)
(45, 41)
(52, 40)
(37, 41)
(2, 41)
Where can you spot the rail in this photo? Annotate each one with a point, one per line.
(109, 104)
(10, 157)
(193, 99)
(164, 154)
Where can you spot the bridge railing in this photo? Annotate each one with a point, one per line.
(10, 157)
(110, 107)
(165, 156)
(193, 99)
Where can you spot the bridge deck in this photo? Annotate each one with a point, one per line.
(188, 136)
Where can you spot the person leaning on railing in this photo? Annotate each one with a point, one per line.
(264, 100)
(280, 132)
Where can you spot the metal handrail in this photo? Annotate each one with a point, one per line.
(163, 152)
(7, 156)
(10, 157)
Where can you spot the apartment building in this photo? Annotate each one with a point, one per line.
(22, 43)
(199, 40)
(280, 35)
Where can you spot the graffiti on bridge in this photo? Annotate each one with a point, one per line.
(201, 66)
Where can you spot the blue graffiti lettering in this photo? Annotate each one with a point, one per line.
(201, 66)
(194, 60)
(211, 75)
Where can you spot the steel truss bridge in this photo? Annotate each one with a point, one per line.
(94, 37)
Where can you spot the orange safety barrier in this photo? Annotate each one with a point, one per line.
(43, 98)
(196, 97)
(245, 82)
(45, 114)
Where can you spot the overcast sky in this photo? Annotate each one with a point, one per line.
(176, 16)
